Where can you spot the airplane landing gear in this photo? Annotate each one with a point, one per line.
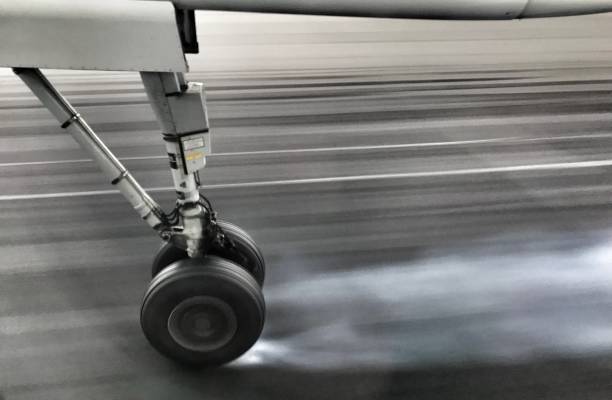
(203, 311)
(204, 305)
(206, 311)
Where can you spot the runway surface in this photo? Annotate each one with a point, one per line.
(432, 198)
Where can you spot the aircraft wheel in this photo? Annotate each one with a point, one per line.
(245, 253)
(203, 312)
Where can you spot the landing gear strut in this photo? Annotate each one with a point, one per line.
(204, 305)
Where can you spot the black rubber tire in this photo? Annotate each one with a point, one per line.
(209, 278)
(246, 253)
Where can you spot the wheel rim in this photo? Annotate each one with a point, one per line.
(202, 323)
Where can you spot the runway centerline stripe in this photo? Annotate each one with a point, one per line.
(340, 179)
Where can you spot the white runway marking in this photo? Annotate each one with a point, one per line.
(75, 161)
(32, 163)
(274, 152)
(330, 149)
(338, 179)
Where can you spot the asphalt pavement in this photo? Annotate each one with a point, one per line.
(432, 198)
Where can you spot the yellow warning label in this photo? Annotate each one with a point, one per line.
(194, 155)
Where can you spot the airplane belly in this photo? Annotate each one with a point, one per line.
(559, 8)
(428, 9)
(417, 9)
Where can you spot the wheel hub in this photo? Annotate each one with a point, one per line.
(202, 323)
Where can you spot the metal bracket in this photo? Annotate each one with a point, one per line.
(185, 19)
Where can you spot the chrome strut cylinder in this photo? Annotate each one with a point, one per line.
(181, 113)
(70, 120)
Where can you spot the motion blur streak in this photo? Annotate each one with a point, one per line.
(444, 285)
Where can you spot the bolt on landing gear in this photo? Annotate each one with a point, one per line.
(204, 305)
